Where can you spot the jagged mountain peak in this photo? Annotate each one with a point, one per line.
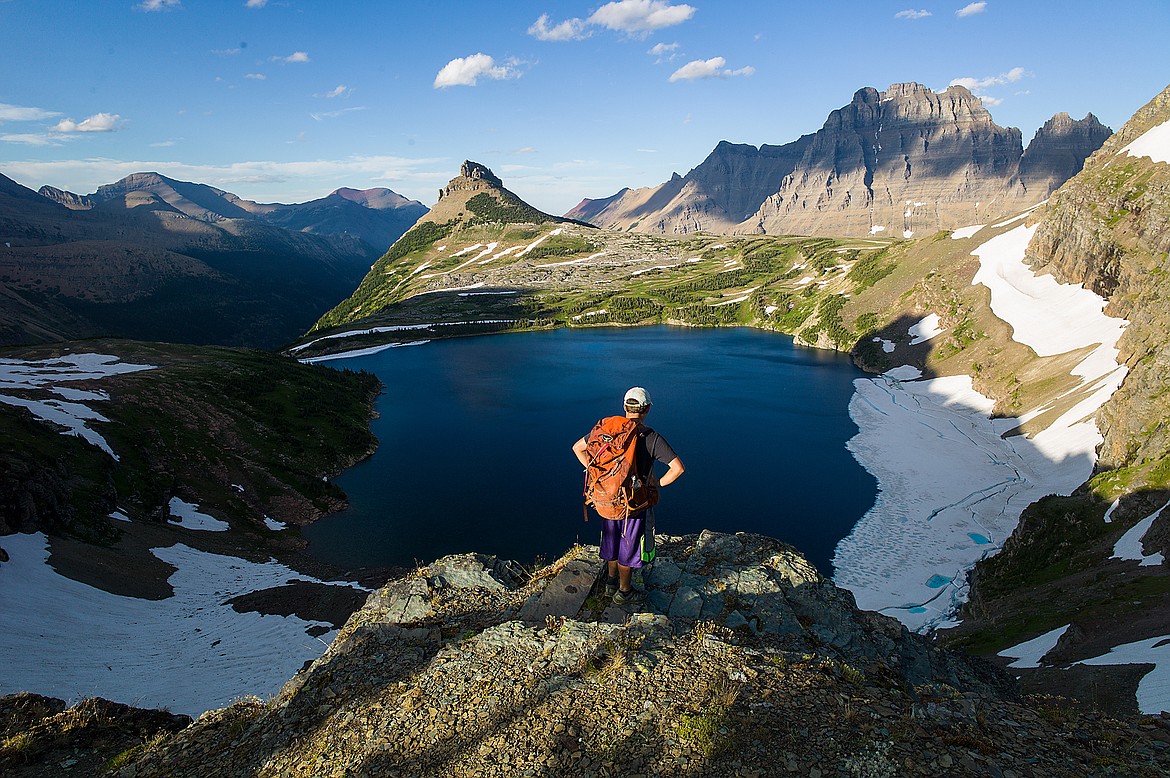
(907, 160)
(70, 200)
(475, 170)
(462, 200)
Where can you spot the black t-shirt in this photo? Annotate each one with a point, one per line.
(651, 447)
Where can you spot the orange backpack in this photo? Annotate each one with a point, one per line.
(612, 486)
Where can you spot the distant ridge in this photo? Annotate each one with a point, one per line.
(900, 162)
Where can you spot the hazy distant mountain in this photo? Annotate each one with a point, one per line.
(159, 259)
(907, 160)
(377, 216)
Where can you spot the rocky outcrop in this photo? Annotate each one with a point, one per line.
(73, 202)
(904, 161)
(1109, 228)
(42, 736)
(744, 662)
(1058, 152)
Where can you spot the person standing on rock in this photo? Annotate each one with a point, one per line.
(627, 527)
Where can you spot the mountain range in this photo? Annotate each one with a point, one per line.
(903, 162)
(153, 258)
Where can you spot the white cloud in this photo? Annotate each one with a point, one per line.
(24, 113)
(159, 5)
(466, 71)
(987, 100)
(31, 139)
(163, 144)
(979, 84)
(641, 16)
(226, 52)
(971, 9)
(664, 51)
(256, 3)
(296, 56)
(255, 76)
(524, 150)
(911, 13)
(341, 90)
(708, 68)
(568, 30)
(333, 114)
(99, 122)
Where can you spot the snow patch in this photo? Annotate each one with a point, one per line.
(874, 230)
(925, 330)
(361, 352)
(903, 373)
(1153, 692)
(966, 232)
(1129, 545)
(46, 375)
(189, 517)
(1153, 143)
(273, 524)
(1029, 653)
(888, 347)
(190, 653)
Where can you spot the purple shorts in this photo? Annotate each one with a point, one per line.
(621, 540)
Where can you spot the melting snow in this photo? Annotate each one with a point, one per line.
(361, 352)
(1129, 545)
(44, 375)
(887, 346)
(1153, 692)
(951, 488)
(966, 232)
(925, 330)
(1029, 653)
(874, 230)
(190, 652)
(189, 517)
(1153, 143)
(1109, 511)
(539, 240)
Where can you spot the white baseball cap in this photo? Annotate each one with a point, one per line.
(637, 396)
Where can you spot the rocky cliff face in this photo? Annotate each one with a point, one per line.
(1109, 228)
(904, 161)
(1058, 152)
(743, 662)
(73, 202)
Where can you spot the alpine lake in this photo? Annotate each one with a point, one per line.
(476, 434)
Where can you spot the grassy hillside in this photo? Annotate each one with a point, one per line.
(242, 433)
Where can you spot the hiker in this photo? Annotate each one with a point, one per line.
(618, 456)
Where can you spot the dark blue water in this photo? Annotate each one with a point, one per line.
(476, 434)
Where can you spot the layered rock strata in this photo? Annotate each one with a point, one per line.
(900, 162)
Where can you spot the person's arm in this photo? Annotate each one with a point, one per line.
(674, 470)
(580, 449)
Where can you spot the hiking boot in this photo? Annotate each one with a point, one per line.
(611, 587)
(632, 597)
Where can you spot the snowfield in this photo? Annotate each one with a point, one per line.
(950, 488)
(190, 652)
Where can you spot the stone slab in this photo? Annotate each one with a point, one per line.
(567, 592)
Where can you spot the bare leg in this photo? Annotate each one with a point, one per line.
(624, 574)
(613, 568)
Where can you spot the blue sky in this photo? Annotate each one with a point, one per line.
(286, 100)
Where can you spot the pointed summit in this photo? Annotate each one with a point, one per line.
(478, 196)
